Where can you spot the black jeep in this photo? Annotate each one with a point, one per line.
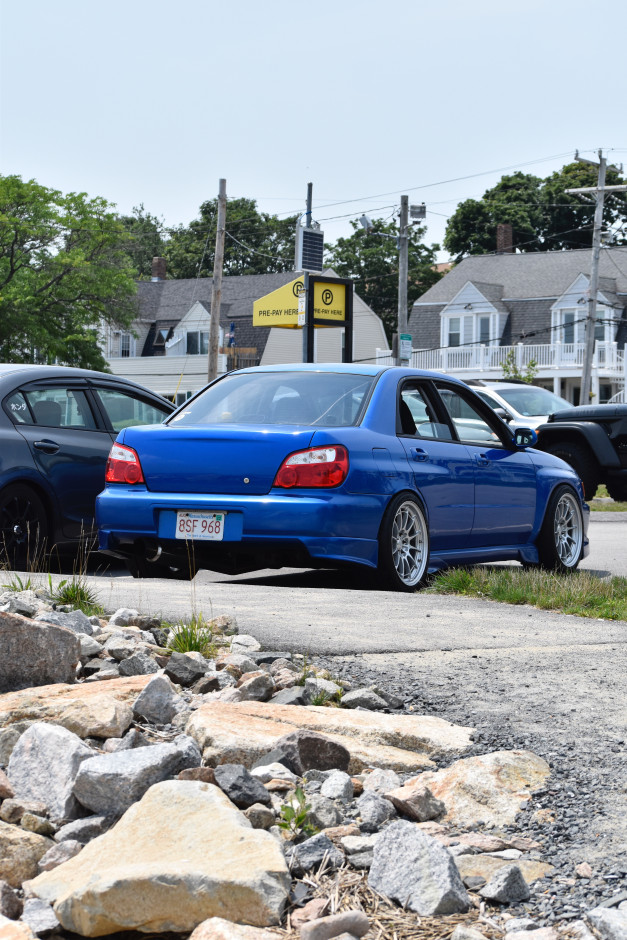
(593, 440)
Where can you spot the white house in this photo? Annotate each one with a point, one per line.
(533, 305)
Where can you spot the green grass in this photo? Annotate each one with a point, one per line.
(192, 636)
(579, 593)
(614, 506)
(16, 584)
(78, 594)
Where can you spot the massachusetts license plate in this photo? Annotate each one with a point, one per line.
(208, 526)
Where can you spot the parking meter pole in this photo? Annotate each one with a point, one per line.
(308, 328)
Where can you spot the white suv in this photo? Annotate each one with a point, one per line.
(521, 405)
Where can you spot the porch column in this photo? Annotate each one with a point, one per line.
(594, 387)
(557, 385)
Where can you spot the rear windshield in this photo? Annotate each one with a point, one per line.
(533, 401)
(325, 399)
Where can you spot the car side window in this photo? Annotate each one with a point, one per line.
(17, 408)
(125, 410)
(59, 408)
(469, 422)
(416, 417)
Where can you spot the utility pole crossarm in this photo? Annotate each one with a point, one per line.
(595, 189)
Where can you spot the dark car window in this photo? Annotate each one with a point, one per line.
(17, 408)
(469, 422)
(124, 410)
(56, 407)
(417, 418)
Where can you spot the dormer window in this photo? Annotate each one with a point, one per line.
(197, 343)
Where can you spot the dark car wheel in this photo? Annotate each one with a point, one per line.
(403, 545)
(617, 489)
(561, 536)
(23, 528)
(582, 463)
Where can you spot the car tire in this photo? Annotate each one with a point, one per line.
(617, 489)
(561, 538)
(584, 465)
(23, 528)
(403, 545)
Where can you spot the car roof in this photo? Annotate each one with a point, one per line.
(34, 372)
(349, 368)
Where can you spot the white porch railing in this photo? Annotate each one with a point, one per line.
(554, 356)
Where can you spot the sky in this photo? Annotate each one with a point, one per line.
(148, 101)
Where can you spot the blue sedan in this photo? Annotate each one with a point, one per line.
(399, 471)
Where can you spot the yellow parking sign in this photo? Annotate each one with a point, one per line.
(280, 307)
(329, 301)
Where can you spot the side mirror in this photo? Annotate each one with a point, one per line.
(525, 437)
(503, 414)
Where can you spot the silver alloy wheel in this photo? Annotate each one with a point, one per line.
(409, 543)
(568, 530)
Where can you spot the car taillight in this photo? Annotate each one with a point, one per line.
(123, 466)
(318, 466)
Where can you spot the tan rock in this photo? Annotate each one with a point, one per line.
(484, 866)
(544, 817)
(6, 790)
(242, 732)
(416, 801)
(310, 911)
(20, 852)
(15, 930)
(583, 870)
(487, 790)
(337, 833)
(180, 855)
(98, 709)
(34, 653)
(216, 928)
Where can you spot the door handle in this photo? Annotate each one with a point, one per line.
(419, 454)
(482, 460)
(48, 447)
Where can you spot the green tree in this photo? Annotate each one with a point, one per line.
(371, 260)
(542, 215)
(146, 239)
(63, 273)
(256, 242)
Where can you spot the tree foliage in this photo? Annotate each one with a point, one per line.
(256, 242)
(542, 215)
(63, 272)
(146, 239)
(371, 259)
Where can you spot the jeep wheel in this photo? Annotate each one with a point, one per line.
(617, 489)
(582, 463)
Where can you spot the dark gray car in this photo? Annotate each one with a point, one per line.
(57, 426)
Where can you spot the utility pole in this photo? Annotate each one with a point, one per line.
(216, 292)
(599, 192)
(403, 265)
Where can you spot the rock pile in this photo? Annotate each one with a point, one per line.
(150, 790)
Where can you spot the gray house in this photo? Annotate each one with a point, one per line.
(532, 306)
(167, 347)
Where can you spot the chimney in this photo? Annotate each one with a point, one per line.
(158, 269)
(504, 239)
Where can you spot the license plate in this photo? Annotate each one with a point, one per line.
(206, 526)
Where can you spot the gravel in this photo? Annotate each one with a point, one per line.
(568, 709)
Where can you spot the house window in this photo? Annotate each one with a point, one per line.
(120, 345)
(197, 343)
(571, 325)
(125, 345)
(484, 330)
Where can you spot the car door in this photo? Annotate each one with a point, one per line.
(505, 478)
(442, 469)
(68, 444)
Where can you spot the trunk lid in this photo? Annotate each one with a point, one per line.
(214, 459)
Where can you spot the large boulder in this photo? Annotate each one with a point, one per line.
(486, 790)
(98, 710)
(242, 732)
(34, 654)
(182, 854)
(43, 767)
(109, 783)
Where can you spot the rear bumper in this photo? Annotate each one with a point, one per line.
(133, 521)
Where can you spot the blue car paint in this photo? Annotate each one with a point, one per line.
(482, 504)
